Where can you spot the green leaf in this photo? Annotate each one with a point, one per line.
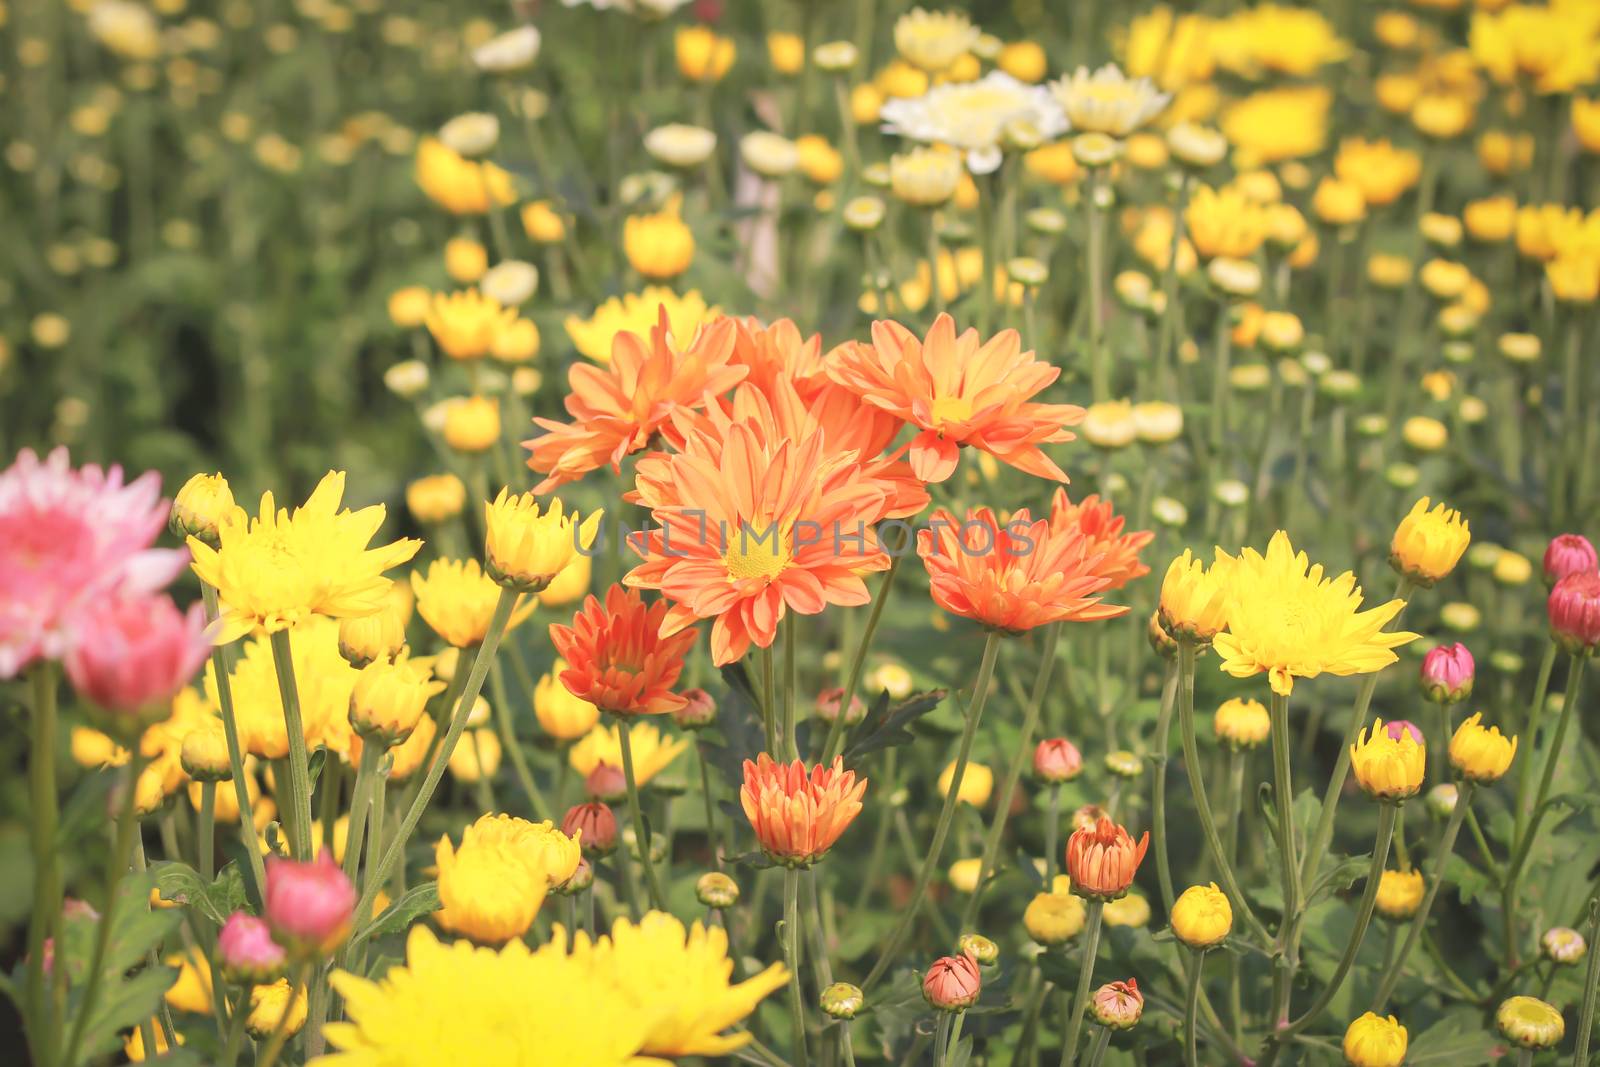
(886, 727)
(417, 901)
(1335, 878)
(123, 1004)
(1456, 1038)
(182, 884)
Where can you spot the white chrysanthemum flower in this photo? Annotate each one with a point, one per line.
(1107, 101)
(680, 145)
(510, 51)
(933, 40)
(980, 118)
(473, 133)
(510, 282)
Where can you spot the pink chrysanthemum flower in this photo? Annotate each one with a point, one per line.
(69, 538)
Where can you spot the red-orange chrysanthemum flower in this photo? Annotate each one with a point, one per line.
(617, 658)
(617, 408)
(798, 814)
(1102, 527)
(1102, 859)
(959, 391)
(1015, 575)
(752, 523)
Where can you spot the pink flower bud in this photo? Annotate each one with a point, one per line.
(952, 983)
(1057, 760)
(1118, 1005)
(1574, 609)
(246, 952)
(135, 653)
(1447, 673)
(699, 710)
(309, 905)
(1568, 553)
(596, 823)
(606, 783)
(828, 706)
(1398, 728)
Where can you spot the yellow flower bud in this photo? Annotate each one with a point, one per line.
(472, 423)
(1427, 545)
(436, 498)
(204, 753)
(1242, 723)
(1400, 894)
(200, 507)
(560, 714)
(528, 547)
(1054, 918)
(388, 698)
(1481, 753)
(977, 782)
(1202, 916)
(1373, 1041)
(1387, 767)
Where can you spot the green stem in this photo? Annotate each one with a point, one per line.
(508, 741)
(1099, 368)
(935, 293)
(1284, 787)
(1323, 834)
(207, 831)
(908, 915)
(791, 957)
(235, 1031)
(641, 832)
(230, 733)
(1435, 877)
(1369, 897)
(45, 816)
(1051, 829)
(1191, 1006)
(1080, 1000)
(1191, 760)
(790, 672)
(836, 728)
(299, 800)
(1169, 286)
(1158, 803)
(1531, 732)
(712, 839)
(116, 866)
(955, 1039)
(1524, 843)
(393, 855)
(1022, 752)
(1219, 381)
(361, 805)
(1097, 1051)
(1591, 983)
(280, 1032)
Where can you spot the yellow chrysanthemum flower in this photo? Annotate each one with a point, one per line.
(457, 599)
(459, 185)
(1225, 222)
(1286, 619)
(651, 751)
(492, 886)
(638, 313)
(1428, 544)
(1400, 894)
(684, 974)
(282, 568)
(1389, 764)
(1375, 1041)
(451, 1002)
(1278, 124)
(465, 324)
(271, 1006)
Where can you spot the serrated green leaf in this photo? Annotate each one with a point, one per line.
(417, 901)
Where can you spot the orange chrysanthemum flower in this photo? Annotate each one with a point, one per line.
(617, 658)
(959, 390)
(616, 409)
(798, 814)
(752, 523)
(1102, 528)
(788, 389)
(1016, 575)
(1102, 859)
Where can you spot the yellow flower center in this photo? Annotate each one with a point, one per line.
(757, 553)
(951, 409)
